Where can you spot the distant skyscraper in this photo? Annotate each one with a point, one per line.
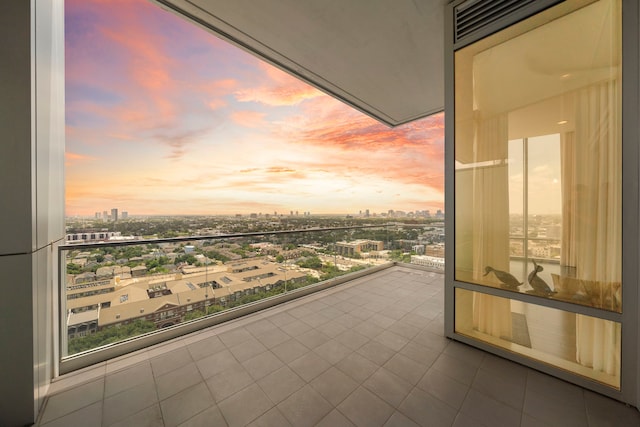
(105, 215)
(97, 215)
(125, 214)
(114, 214)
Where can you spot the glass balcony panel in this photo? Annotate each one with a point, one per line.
(116, 292)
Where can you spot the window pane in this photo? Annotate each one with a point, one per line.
(581, 344)
(538, 156)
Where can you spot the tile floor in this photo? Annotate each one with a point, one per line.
(366, 353)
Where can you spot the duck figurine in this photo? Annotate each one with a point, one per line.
(507, 279)
(539, 286)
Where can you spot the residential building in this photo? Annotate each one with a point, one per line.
(428, 261)
(358, 247)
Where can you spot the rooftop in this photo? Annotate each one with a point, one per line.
(355, 354)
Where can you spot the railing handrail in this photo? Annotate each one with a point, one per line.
(225, 236)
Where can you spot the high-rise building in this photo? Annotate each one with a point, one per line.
(125, 214)
(114, 214)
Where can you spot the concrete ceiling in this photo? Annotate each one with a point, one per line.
(383, 57)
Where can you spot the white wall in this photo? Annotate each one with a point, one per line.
(32, 194)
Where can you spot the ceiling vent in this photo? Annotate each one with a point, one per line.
(474, 15)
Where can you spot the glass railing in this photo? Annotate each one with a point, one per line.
(113, 292)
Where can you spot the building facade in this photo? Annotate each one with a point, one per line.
(548, 249)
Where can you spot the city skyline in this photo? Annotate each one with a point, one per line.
(167, 119)
(104, 215)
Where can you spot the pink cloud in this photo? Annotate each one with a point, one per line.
(249, 119)
(131, 59)
(215, 92)
(152, 78)
(411, 153)
(216, 104)
(277, 89)
(72, 158)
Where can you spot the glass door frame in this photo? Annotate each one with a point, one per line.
(629, 318)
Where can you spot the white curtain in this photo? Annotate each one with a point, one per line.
(491, 315)
(592, 229)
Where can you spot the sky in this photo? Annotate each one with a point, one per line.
(543, 176)
(164, 118)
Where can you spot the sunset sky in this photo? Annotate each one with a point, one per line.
(165, 118)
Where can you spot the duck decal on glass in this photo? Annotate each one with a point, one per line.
(538, 284)
(507, 279)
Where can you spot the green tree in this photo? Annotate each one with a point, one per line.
(188, 258)
(73, 268)
(195, 314)
(217, 255)
(312, 262)
(215, 308)
(109, 335)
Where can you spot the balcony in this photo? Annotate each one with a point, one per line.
(120, 296)
(367, 352)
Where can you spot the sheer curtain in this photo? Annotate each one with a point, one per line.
(592, 229)
(490, 206)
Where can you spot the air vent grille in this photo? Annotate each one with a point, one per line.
(473, 15)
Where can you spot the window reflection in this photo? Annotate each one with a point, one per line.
(538, 158)
(580, 344)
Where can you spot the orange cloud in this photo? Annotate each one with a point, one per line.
(217, 103)
(261, 179)
(179, 140)
(411, 153)
(136, 78)
(216, 90)
(278, 89)
(249, 119)
(279, 169)
(73, 158)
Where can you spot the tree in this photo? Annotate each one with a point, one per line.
(110, 335)
(195, 314)
(188, 258)
(217, 255)
(311, 262)
(73, 268)
(215, 308)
